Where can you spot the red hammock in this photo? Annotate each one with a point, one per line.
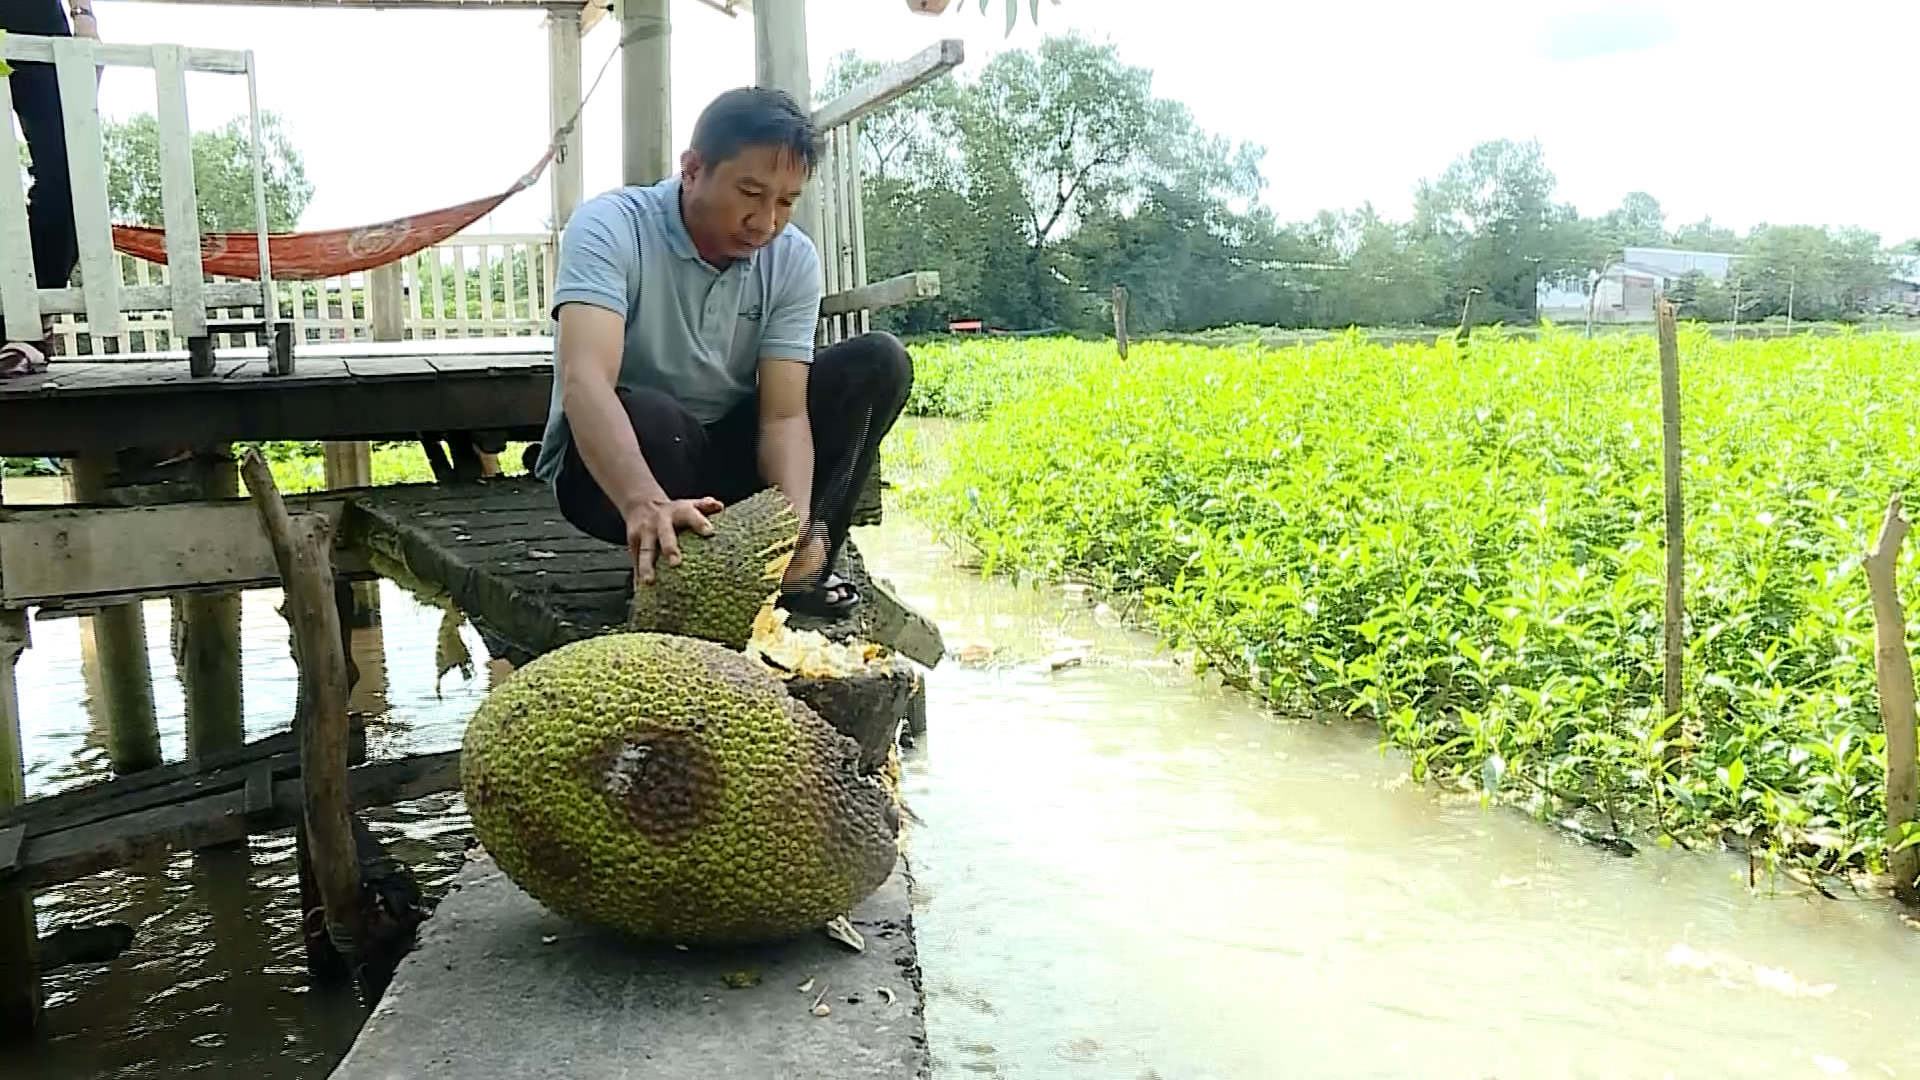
(309, 256)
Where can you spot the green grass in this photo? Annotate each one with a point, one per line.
(1467, 550)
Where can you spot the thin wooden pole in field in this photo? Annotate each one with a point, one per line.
(1676, 646)
(1893, 671)
(1120, 319)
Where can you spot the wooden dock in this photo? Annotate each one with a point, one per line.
(362, 391)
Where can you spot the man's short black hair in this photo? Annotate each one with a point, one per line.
(755, 116)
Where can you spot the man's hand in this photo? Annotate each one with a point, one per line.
(653, 528)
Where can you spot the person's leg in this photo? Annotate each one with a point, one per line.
(855, 392)
(675, 447)
(36, 100)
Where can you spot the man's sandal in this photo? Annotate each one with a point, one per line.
(833, 598)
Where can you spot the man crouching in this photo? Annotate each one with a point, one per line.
(686, 377)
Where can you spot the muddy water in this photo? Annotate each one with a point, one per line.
(1125, 874)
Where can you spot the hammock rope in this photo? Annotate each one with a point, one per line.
(311, 256)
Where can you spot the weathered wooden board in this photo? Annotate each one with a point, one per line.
(507, 558)
(218, 818)
(79, 408)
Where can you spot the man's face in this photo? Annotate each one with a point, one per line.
(738, 206)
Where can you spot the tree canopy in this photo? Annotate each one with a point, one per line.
(1043, 178)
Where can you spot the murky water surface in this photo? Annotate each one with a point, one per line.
(1124, 874)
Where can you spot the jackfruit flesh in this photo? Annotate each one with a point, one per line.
(723, 580)
(671, 789)
(807, 654)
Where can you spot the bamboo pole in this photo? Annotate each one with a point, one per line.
(302, 547)
(1676, 646)
(1893, 671)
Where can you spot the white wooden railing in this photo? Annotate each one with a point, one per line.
(509, 289)
(107, 301)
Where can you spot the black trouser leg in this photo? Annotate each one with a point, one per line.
(855, 393)
(674, 445)
(56, 247)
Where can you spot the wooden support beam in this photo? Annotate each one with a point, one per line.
(19, 934)
(780, 61)
(100, 554)
(207, 636)
(892, 84)
(646, 101)
(301, 550)
(120, 636)
(564, 30)
(894, 291)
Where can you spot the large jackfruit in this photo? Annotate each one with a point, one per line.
(723, 580)
(671, 788)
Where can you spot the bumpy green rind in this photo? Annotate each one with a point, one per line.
(722, 580)
(671, 789)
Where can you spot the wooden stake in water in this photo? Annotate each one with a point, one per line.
(1676, 645)
(302, 547)
(1893, 671)
(19, 935)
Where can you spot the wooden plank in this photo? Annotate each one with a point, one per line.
(179, 200)
(219, 819)
(114, 54)
(216, 294)
(894, 291)
(76, 800)
(94, 552)
(857, 194)
(892, 84)
(107, 801)
(87, 167)
(11, 838)
(18, 298)
(259, 791)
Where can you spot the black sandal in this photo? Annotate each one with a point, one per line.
(818, 601)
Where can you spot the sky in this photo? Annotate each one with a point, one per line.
(1748, 110)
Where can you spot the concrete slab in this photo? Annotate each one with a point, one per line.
(499, 987)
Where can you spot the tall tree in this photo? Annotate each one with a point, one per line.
(222, 174)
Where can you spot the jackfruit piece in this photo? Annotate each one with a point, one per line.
(806, 654)
(671, 789)
(723, 580)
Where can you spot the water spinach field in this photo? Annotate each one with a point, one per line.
(1465, 547)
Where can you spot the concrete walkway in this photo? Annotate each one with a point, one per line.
(499, 988)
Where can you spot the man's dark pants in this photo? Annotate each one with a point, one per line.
(36, 100)
(855, 392)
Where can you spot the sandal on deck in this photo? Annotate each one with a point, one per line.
(834, 598)
(24, 358)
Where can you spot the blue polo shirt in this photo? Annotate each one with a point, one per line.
(695, 332)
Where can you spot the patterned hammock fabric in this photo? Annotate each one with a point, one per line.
(310, 256)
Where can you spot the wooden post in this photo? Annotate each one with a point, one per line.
(120, 636)
(207, 636)
(19, 934)
(1893, 668)
(563, 103)
(780, 61)
(646, 98)
(302, 547)
(1676, 646)
(1120, 319)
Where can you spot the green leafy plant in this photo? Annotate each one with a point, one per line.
(1465, 549)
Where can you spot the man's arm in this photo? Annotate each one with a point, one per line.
(590, 298)
(786, 435)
